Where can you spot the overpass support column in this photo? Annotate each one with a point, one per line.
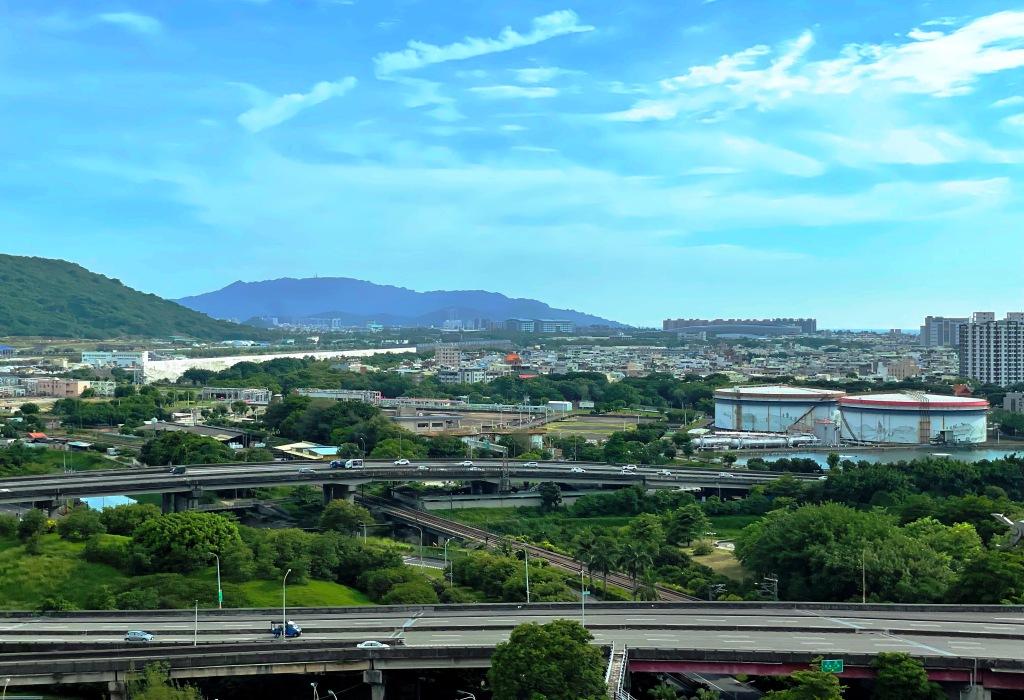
(975, 692)
(117, 690)
(375, 679)
(187, 500)
(166, 503)
(333, 491)
(482, 487)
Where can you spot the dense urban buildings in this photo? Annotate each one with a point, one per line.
(742, 327)
(992, 351)
(941, 331)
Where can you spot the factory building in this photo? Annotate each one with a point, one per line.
(913, 419)
(777, 409)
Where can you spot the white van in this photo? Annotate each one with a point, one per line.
(353, 464)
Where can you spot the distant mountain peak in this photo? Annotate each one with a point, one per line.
(359, 301)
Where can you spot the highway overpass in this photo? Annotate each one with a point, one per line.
(957, 644)
(184, 491)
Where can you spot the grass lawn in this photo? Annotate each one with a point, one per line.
(267, 594)
(594, 427)
(58, 570)
(725, 563)
(729, 527)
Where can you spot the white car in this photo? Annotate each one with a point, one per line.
(629, 468)
(423, 468)
(466, 463)
(138, 636)
(403, 462)
(371, 644)
(475, 469)
(726, 475)
(530, 464)
(578, 470)
(664, 472)
(307, 470)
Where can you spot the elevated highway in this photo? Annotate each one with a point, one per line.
(956, 644)
(190, 486)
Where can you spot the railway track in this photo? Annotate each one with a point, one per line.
(490, 539)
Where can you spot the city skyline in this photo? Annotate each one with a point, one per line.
(719, 159)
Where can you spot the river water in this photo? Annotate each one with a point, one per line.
(963, 454)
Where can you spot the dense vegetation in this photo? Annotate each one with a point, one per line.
(55, 298)
(656, 390)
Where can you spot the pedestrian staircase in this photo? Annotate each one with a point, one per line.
(617, 674)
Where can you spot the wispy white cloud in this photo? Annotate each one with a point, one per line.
(500, 92)
(932, 63)
(420, 54)
(285, 107)
(533, 76)
(1009, 101)
(132, 21)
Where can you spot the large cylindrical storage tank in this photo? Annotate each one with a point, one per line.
(774, 409)
(914, 419)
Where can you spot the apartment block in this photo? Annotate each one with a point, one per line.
(992, 351)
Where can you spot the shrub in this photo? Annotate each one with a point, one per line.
(80, 524)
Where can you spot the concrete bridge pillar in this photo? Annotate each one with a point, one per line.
(375, 679)
(117, 690)
(333, 491)
(975, 692)
(180, 501)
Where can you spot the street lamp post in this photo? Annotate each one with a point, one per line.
(527, 559)
(316, 695)
(284, 607)
(583, 598)
(220, 591)
(363, 443)
(451, 580)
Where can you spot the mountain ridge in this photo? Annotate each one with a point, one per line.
(360, 300)
(56, 298)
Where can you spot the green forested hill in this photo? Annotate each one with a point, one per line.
(42, 297)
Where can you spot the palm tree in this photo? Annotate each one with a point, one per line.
(604, 557)
(635, 558)
(647, 588)
(586, 546)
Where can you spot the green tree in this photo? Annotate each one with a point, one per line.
(342, 516)
(156, 684)
(812, 684)
(123, 519)
(902, 676)
(184, 448)
(33, 523)
(393, 448)
(183, 542)
(604, 557)
(662, 692)
(555, 661)
(646, 531)
(80, 524)
(550, 495)
(686, 524)
(833, 460)
(411, 593)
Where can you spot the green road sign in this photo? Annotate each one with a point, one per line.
(832, 665)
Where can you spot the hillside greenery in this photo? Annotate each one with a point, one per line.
(55, 298)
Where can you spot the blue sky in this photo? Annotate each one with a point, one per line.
(856, 161)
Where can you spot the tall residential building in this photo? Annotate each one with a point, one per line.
(448, 356)
(992, 351)
(941, 331)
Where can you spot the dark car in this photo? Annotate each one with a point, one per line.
(178, 471)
